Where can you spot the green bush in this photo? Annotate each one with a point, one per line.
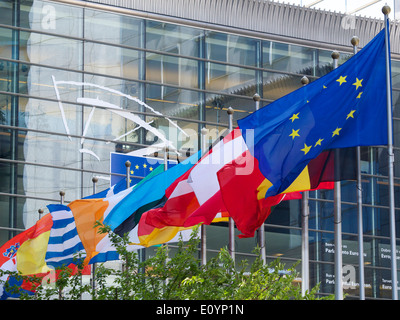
(177, 277)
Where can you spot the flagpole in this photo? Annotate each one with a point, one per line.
(128, 173)
(165, 169)
(305, 212)
(62, 194)
(128, 182)
(261, 231)
(355, 41)
(203, 239)
(94, 180)
(60, 293)
(337, 208)
(386, 11)
(231, 222)
(40, 211)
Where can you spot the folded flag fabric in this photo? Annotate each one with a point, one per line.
(181, 203)
(25, 253)
(345, 108)
(114, 189)
(145, 235)
(86, 213)
(142, 234)
(132, 220)
(64, 243)
(149, 191)
(204, 181)
(243, 197)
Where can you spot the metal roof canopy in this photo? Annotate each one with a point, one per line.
(264, 19)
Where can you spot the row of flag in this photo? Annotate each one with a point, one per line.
(275, 153)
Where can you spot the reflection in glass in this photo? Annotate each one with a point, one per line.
(54, 51)
(229, 48)
(173, 38)
(228, 79)
(276, 85)
(53, 18)
(111, 60)
(171, 70)
(112, 28)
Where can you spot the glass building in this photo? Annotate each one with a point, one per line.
(75, 74)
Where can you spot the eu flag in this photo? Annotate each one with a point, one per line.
(345, 108)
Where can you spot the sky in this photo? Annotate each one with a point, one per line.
(367, 8)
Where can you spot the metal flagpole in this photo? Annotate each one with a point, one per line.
(231, 222)
(261, 232)
(40, 211)
(386, 11)
(128, 183)
(128, 173)
(62, 194)
(337, 208)
(60, 294)
(203, 240)
(355, 41)
(305, 212)
(94, 180)
(166, 150)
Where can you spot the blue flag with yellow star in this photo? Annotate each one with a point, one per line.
(345, 108)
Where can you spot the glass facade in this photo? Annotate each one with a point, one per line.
(66, 72)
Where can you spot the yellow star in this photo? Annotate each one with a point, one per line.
(336, 132)
(306, 149)
(295, 133)
(294, 116)
(137, 167)
(359, 95)
(151, 168)
(351, 114)
(342, 80)
(358, 83)
(131, 171)
(318, 143)
(144, 165)
(324, 87)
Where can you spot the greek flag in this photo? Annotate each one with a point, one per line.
(64, 242)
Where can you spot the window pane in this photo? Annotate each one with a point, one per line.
(53, 17)
(231, 49)
(112, 28)
(54, 51)
(171, 70)
(110, 60)
(6, 43)
(217, 106)
(276, 85)
(228, 79)
(174, 102)
(173, 38)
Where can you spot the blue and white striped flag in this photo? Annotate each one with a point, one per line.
(64, 242)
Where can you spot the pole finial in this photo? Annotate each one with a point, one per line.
(204, 130)
(230, 110)
(62, 193)
(355, 41)
(256, 97)
(95, 179)
(386, 10)
(335, 55)
(127, 164)
(305, 80)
